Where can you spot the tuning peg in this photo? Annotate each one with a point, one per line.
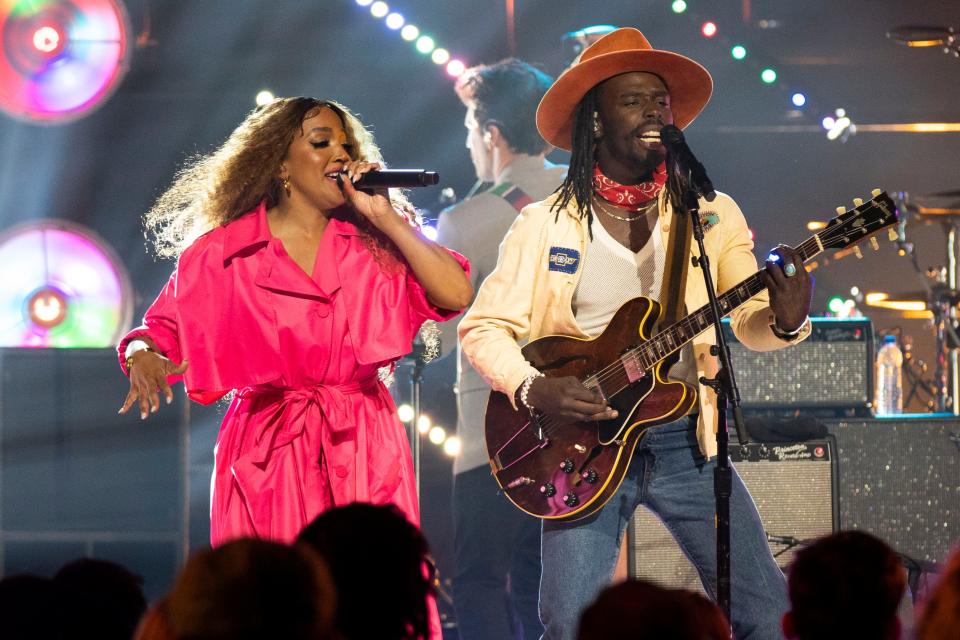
(841, 210)
(858, 253)
(892, 234)
(874, 243)
(876, 192)
(857, 202)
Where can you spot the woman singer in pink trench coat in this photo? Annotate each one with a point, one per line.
(297, 291)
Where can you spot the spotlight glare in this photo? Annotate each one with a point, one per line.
(798, 99)
(424, 423)
(46, 39)
(395, 21)
(425, 44)
(709, 29)
(364, 3)
(437, 435)
(405, 412)
(264, 97)
(828, 122)
(410, 32)
(452, 446)
(739, 52)
(456, 68)
(379, 9)
(768, 75)
(835, 304)
(440, 56)
(429, 232)
(841, 112)
(678, 6)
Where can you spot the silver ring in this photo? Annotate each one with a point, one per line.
(790, 270)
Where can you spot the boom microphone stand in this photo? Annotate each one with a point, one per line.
(687, 181)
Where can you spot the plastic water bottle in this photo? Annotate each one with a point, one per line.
(888, 395)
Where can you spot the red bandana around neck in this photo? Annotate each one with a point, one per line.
(628, 196)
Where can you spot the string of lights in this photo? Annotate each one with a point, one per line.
(837, 123)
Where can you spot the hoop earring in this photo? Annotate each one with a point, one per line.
(286, 186)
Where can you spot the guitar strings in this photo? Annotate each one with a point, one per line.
(615, 372)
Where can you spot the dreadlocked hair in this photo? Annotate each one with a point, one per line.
(578, 185)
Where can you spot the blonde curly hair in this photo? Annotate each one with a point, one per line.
(215, 189)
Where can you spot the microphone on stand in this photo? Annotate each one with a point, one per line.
(789, 541)
(395, 179)
(672, 138)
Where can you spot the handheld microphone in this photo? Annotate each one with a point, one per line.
(672, 138)
(397, 179)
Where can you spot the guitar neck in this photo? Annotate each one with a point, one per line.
(677, 335)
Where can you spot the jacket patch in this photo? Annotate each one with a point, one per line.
(564, 260)
(709, 220)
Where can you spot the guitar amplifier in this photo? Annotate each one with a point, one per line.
(899, 481)
(829, 373)
(794, 487)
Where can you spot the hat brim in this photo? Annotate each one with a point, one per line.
(689, 84)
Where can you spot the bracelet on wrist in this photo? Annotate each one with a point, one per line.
(129, 360)
(788, 335)
(525, 389)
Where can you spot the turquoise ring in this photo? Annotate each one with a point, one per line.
(790, 270)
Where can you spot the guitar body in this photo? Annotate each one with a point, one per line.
(567, 471)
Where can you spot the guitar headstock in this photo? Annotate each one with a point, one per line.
(864, 219)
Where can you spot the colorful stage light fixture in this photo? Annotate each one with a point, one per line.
(709, 29)
(678, 6)
(364, 3)
(798, 100)
(440, 56)
(60, 59)
(61, 286)
(768, 75)
(739, 52)
(379, 9)
(264, 97)
(410, 33)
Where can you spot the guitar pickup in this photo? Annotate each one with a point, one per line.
(631, 366)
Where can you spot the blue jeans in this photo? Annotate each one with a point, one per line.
(671, 477)
(497, 553)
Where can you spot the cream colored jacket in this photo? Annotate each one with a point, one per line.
(529, 295)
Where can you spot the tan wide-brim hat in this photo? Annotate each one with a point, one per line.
(622, 51)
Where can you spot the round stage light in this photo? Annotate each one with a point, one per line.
(394, 21)
(60, 59)
(768, 75)
(709, 29)
(61, 286)
(738, 51)
(425, 44)
(410, 32)
(456, 68)
(798, 99)
(440, 56)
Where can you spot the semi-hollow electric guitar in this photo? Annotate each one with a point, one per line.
(568, 470)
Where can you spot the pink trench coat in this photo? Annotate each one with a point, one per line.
(310, 425)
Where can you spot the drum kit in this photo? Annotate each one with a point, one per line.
(938, 298)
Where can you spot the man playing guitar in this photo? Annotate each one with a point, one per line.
(565, 267)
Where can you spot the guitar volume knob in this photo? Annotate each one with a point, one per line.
(548, 490)
(590, 475)
(571, 499)
(567, 465)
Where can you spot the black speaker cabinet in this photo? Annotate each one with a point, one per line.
(794, 487)
(831, 372)
(900, 480)
(76, 479)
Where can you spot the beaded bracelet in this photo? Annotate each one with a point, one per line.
(525, 389)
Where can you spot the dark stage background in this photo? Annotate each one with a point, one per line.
(197, 76)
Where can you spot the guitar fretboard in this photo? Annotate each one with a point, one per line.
(673, 338)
